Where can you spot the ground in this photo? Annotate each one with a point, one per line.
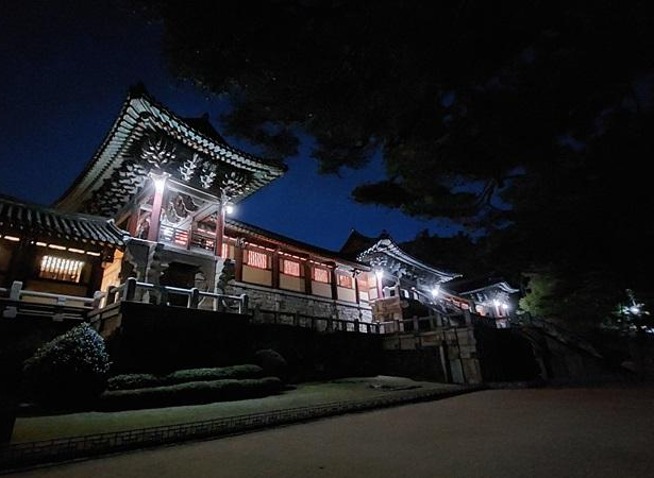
(570, 432)
(37, 428)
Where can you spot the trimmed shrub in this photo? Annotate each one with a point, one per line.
(272, 363)
(69, 370)
(190, 393)
(199, 374)
(145, 380)
(133, 381)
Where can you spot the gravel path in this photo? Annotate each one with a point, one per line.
(575, 432)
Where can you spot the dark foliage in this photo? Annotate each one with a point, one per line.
(273, 363)
(68, 371)
(144, 380)
(527, 121)
(190, 393)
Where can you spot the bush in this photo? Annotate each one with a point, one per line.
(190, 393)
(272, 363)
(199, 374)
(134, 380)
(145, 380)
(69, 370)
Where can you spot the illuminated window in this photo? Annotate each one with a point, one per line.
(257, 259)
(58, 268)
(345, 281)
(321, 275)
(225, 251)
(291, 268)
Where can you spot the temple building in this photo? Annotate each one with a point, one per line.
(152, 205)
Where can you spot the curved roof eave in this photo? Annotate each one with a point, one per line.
(140, 110)
(386, 245)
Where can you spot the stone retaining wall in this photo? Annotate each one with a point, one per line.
(286, 301)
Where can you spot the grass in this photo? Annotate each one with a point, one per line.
(37, 428)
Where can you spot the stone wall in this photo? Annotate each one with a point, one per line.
(453, 349)
(286, 301)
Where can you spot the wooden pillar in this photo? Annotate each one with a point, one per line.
(157, 203)
(334, 284)
(238, 261)
(307, 277)
(275, 269)
(97, 272)
(378, 280)
(132, 222)
(220, 229)
(356, 287)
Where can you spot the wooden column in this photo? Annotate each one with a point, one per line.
(132, 222)
(275, 269)
(220, 229)
(238, 260)
(380, 289)
(157, 203)
(355, 280)
(334, 284)
(307, 277)
(97, 272)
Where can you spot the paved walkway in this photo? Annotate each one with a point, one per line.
(576, 432)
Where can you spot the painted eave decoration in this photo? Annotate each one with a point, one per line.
(146, 137)
(385, 253)
(501, 286)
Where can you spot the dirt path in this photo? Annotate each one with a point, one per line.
(597, 432)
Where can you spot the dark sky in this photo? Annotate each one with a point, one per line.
(66, 69)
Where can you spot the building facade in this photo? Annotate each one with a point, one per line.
(152, 204)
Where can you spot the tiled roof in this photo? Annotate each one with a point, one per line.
(141, 114)
(235, 226)
(17, 218)
(470, 286)
(386, 246)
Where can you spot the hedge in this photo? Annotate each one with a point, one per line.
(146, 380)
(190, 393)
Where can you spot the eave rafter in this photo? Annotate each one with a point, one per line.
(117, 171)
(386, 254)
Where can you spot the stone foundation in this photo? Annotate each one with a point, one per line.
(286, 301)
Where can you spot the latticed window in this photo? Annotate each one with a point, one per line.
(257, 259)
(321, 275)
(59, 268)
(291, 268)
(345, 281)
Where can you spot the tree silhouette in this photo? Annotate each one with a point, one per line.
(528, 122)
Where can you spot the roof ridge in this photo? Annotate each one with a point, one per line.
(140, 92)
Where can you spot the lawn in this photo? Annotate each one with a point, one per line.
(37, 428)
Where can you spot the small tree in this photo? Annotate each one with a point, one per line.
(272, 363)
(630, 317)
(70, 370)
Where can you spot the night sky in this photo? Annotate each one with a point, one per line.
(66, 70)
